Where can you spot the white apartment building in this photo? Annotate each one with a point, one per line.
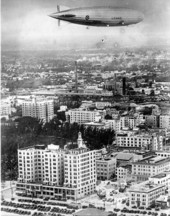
(105, 168)
(81, 116)
(140, 140)
(114, 124)
(123, 171)
(163, 179)
(5, 109)
(145, 194)
(149, 166)
(164, 121)
(38, 109)
(52, 172)
(37, 164)
(151, 120)
(131, 121)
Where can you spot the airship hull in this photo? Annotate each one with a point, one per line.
(100, 16)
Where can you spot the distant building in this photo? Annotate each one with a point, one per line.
(105, 168)
(43, 109)
(152, 120)
(124, 171)
(145, 194)
(81, 116)
(149, 166)
(5, 109)
(164, 121)
(143, 141)
(114, 124)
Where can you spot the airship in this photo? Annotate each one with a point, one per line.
(99, 16)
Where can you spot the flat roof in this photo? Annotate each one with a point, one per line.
(155, 160)
(162, 175)
(145, 187)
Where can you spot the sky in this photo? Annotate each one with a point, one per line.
(26, 25)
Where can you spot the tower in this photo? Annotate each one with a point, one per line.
(124, 85)
(80, 140)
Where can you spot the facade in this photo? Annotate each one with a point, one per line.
(145, 194)
(81, 116)
(105, 168)
(163, 179)
(39, 109)
(52, 172)
(164, 121)
(149, 166)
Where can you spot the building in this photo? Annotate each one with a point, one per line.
(52, 172)
(144, 141)
(114, 124)
(145, 194)
(163, 179)
(151, 120)
(5, 109)
(149, 166)
(105, 168)
(41, 109)
(124, 171)
(80, 169)
(163, 153)
(81, 116)
(164, 121)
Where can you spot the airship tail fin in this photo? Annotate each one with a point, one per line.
(58, 8)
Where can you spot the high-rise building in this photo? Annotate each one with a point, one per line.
(52, 172)
(41, 109)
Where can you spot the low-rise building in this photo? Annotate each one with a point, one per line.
(105, 168)
(162, 178)
(81, 116)
(143, 141)
(124, 171)
(164, 121)
(149, 166)
(145, 194)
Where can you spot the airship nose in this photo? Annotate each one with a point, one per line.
(141, 17)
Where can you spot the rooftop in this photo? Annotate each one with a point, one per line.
(156, 160)
(145, 187)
